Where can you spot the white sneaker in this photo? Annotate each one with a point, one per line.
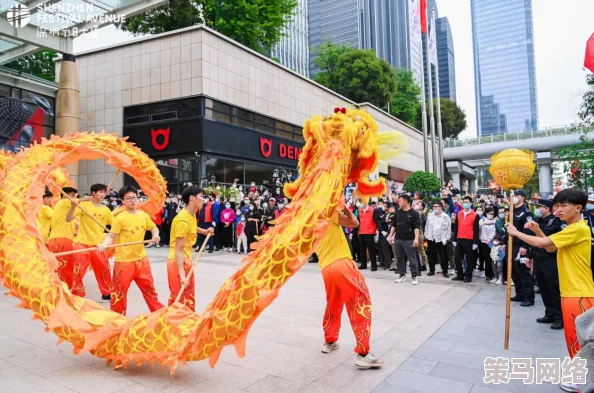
(493, 281)
(414, 281)
(452, 272)
(327, 347)
(438, 271)
(498, 282)
(475, 273)
(400, 279)
(369, 361)
(483, 274)
(569, 387)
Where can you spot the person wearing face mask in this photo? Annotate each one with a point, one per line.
(521, 275)
(227, 220)
(245, 208)
(589, 217)
(367, 230)
(207, 218)
(545, 265)
(500, 223)
(379, 216)
(270, 212)
(278, 193)
(252, 226)
(242, 242)
(420, 207)
(497, 256)
(487, 234)
(465, 238)
(438, 231)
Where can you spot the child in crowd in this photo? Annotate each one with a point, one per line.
(497, 256)
(241, 236)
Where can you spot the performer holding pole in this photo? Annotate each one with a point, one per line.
(184, 231)
(94, 218)
(573, 260)
(345, 285)
(131, 262)
(44, 217)
(61, 237)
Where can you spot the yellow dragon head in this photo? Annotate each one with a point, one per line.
(358, 132)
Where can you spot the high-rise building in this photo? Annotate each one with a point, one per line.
(504, 70)
(381, 25)
(293, 49)
(446, 59)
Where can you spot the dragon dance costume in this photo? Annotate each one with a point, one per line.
(339, 149)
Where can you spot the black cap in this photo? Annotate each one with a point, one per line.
(545, 202)
(520, 192)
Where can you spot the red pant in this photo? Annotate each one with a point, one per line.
(66, 262)
(345, 285)
(571, 308)
(100, 266)
(187, 298)
(123, 275)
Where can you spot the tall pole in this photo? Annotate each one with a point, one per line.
(509, 273)
(439, 130)
(424, 119)
(430, 82)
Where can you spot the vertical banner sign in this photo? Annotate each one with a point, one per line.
(432, 43)
(414, 9)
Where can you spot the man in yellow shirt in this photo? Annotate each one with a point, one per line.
(573, 261)
(345, 285)
(131, 262)
(61, 237)
(184, 230)
(44, 217)
(90, 234)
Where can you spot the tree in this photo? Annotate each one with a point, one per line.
(40, 64)
(405, 102)
(586, 113)
(327, 61)
(422, 181)
(453, 118)
(578, 160)
(356, 74)
(257, 24)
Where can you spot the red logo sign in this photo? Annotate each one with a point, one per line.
(284, 151)
(265, 147)
(164, 141)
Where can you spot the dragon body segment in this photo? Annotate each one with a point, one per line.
(338, 150)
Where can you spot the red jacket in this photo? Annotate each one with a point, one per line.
(367, 224)
(467, 227)
(240, 226)
(208, 216)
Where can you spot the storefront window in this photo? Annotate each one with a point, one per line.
(260, 174)
(224, 171)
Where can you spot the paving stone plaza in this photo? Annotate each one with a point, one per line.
(433, 337)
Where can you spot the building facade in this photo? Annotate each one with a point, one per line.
(293, 49)
(446, 59)
(381, 25)
(505, 75)
(202, 105)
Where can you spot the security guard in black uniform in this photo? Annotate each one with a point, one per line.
(521, 275)
(545, 265)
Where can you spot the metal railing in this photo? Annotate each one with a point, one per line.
(546, 132)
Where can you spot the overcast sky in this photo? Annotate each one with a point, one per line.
(560, 35)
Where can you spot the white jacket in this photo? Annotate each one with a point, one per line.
(438, 228)
(487, 232)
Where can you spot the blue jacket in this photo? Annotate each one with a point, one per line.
(216, 211)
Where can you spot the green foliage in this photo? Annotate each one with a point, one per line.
(586, 113)
(329, 55)
(453, 118)
(40, 64)
(578, 160)
(256, 24)
(422, 181)
(405, 102)
(356, 74)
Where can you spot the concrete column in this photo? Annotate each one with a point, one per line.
(454, 168)
(545, 174)
(68, 104)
